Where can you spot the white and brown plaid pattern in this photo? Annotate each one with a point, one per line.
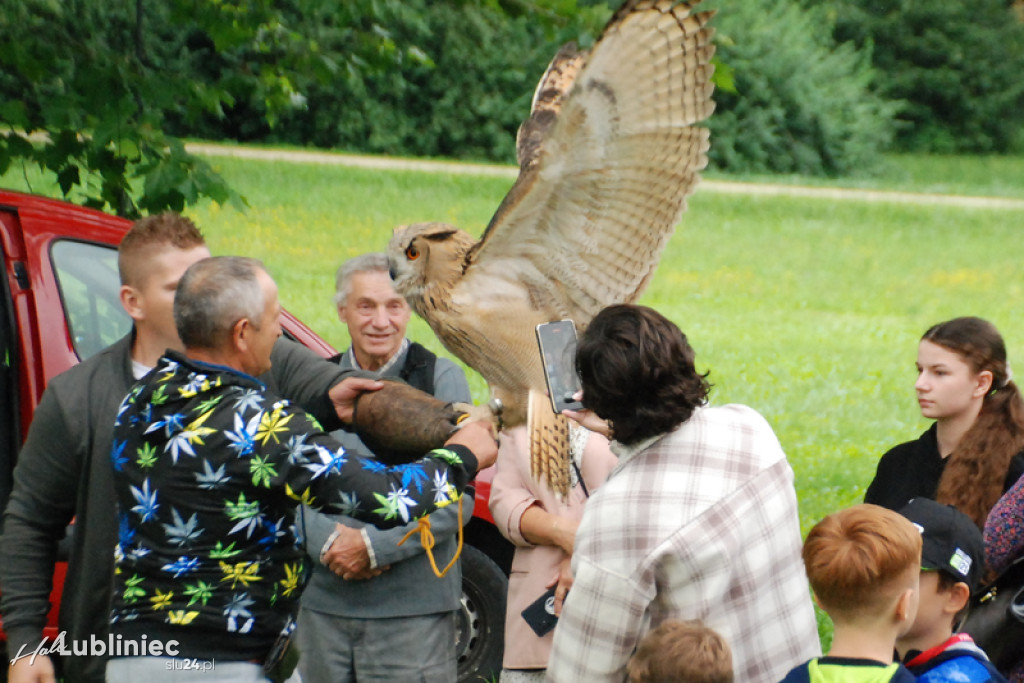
(699, 524)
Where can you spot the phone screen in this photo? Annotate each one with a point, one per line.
(557, 342)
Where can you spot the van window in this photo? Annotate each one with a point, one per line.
(89, 290)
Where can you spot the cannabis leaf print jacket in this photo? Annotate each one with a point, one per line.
(208, 471)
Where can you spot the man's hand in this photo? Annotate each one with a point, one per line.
(24, 670)
(344, 394)
(477, 436)
(348, 556)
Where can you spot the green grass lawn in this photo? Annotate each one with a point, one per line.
(809, 310)
(991, 176)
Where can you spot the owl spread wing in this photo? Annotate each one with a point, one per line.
(607, 158)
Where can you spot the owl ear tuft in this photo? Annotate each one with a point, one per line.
(438, 236)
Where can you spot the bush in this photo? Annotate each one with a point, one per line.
(802, 104)
(956, 65)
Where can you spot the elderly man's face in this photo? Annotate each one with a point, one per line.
(376, 316)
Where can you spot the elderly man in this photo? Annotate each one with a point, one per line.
(697, 521)
(356, 623)
(209, 467)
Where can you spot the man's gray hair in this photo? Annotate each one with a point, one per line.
(213, 295)
(374, 262)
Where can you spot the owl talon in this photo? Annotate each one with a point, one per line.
(489, 412)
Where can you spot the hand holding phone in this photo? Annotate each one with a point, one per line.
(540, 614)
(557, 341)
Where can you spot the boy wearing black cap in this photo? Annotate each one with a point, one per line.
(952, 561)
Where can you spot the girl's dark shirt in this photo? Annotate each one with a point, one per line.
(914, 468)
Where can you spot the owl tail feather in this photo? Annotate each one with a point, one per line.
(549, 444)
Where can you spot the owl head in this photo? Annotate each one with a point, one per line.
(423, 256)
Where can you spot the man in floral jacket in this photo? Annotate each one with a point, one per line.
(209, 468)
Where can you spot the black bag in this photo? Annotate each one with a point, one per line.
(995, 619)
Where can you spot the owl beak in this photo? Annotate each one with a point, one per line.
(392, 268)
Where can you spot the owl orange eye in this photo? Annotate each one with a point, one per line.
(412, 253)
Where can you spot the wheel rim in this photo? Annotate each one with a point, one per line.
(467, 632)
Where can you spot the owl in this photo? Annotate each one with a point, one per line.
(607, 157)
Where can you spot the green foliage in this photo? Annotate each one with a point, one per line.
(802, 104)
(463, 74)
(956, 65)
(87, 87)
(460, 85)
(453, 78)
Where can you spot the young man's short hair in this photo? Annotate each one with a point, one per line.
(681, 651)
(856, 559)
(153, 233)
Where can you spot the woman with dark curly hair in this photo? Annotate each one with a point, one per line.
(698, 520)
(640, 373)
(974, 452)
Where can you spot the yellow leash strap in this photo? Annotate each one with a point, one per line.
(427, 541)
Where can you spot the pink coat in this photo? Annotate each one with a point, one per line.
(533, 567)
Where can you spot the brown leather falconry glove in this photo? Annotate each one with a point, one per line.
(400, 423)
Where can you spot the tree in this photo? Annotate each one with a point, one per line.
(956, 67)
(454, 77)
(87, 86)
(802, 104)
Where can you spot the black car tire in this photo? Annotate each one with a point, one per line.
(480, 627)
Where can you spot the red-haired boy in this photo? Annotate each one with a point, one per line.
(864, 565)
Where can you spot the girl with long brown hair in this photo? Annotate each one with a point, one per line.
(974, 451)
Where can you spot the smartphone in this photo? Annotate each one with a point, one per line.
(540, 615)
(557, 341)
